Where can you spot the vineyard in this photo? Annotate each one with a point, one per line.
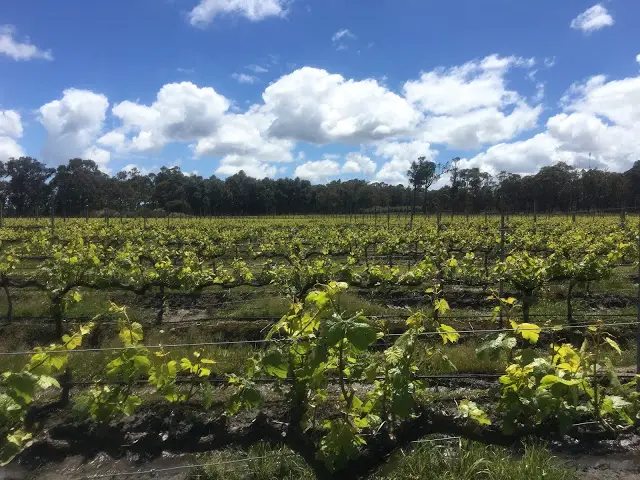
(344, 339)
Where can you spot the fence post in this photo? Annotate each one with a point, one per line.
(501, 320)
(1, 214)
(388, 217)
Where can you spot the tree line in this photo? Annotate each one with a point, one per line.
(29, 187)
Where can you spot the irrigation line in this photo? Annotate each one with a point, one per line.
(436, 440)
(154, 471)
(274, 340)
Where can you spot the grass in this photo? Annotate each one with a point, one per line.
(460, 460)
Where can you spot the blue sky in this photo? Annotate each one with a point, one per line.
(321, 89)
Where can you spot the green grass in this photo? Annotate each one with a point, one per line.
(458, 460)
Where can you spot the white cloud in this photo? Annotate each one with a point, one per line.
(98, 155)
(312, 105)
(73, 123)
(254, 10)
(19, 50)
(340, 34)
(257, 69)
(617, 100)
(358, 163)
(599, 127)
(400, 155)
(9, 148)
(232, 164)
(246, 135)
(522, 157)
(114, 139)
(10, 124)
(638, 58)
(457, 90)
(340, 37)
(318, 171)
(143, 170)
(244, 78)
(10, 130)
(479, 127)
(592, 19)
(182, 112)
(469, 105)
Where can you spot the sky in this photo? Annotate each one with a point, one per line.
(321, 89)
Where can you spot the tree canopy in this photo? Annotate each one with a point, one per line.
(28, 186)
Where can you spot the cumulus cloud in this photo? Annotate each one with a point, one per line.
(232, 164)
(358, 163)
(479, 127)
(114, 139)
(10, 124)
(182, 112)
(318, 171)
(246, 135)
(9, 148)
(10, 130)
(592, 19)
(466, 106)
(400, 154)
(599, 126)
(99, 155)
(255, 10)
(244, 78)
(312, 105)
(18, 50)
(73, 123)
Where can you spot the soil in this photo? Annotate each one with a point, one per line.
(162, 436)
(619, 466)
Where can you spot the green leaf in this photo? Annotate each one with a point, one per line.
(320, 299)
(441, 306)
(21, 385)
(553, 379)
(468, 409)
(131, 404)
(361, 335)
(528, 331)
(336, 333)
(142, 363)
(45, 381)
(275, 364)
(72, 342)
(448, 333)
(613, 344)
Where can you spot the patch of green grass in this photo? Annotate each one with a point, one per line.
(268, 306)
(277, 463)
(352, 304)
(460, 460)
(468, 460)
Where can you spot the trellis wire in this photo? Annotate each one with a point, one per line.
(154, 471)
(274, 340)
